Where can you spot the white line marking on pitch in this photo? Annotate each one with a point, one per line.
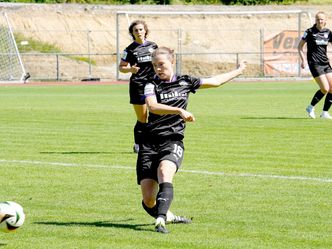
(202, 172)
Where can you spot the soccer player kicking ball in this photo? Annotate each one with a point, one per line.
(161, 152)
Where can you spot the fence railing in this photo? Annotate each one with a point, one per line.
(69, 66)
(83, 66)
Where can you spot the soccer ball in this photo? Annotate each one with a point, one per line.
(17, 216)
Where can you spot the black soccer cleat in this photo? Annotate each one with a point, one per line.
(160, 228)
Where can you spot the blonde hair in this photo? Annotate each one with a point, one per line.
(164, 50)
(317, 18)
(319, 13)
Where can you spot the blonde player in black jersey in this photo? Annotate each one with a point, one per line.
(317, 38)
(136, 60)
(161, 152)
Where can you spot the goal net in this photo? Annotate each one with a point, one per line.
(11, 66)
(208, 43)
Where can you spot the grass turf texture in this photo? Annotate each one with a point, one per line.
(256, 174)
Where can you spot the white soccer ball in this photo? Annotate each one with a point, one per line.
(16, 211)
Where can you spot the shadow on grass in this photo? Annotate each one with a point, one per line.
(84, 152)
(287, 118)
(2, 244)
(139, 227)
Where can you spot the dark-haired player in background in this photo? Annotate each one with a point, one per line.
(136, 60)
(317, 38)
(162, 151)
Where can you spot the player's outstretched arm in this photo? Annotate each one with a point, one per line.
(161, 109)
(221, 79)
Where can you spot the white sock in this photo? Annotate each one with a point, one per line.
(160, 220)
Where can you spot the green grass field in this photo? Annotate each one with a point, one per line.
(256, 174)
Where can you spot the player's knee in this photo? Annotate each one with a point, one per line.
(166, 171)
(149, 202)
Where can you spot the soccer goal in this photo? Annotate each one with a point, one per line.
(207, 43)
(11, 66)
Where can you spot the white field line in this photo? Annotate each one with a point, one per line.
(200, 172)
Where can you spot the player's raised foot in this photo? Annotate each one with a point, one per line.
(311, 111)
(136, 148)
(182, 219)
(160, 226)
(172, 218)
(325, 115)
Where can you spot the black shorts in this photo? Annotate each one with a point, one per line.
(151, 154)
(319, 69)
(136, 93)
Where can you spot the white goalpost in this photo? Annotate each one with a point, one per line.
(11, 66)
(206, 42)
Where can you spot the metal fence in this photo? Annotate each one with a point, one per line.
(84, 54)
(205, 43)
(93, 54)
(69, 66)
(81, 66)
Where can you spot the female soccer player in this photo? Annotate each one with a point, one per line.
(317, 38)
(161, 152)
(137, 61)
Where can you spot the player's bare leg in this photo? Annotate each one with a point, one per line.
(323, 84)
(328, 98)
(149, 188)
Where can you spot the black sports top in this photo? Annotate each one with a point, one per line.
(176, 94)
(140, 54)
(317, 41)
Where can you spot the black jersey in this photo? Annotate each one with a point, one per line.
(140, 54)
(317, 41)
(176, 94)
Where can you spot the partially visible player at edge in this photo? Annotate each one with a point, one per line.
(136, 60)
(317, 38)
(162, 150)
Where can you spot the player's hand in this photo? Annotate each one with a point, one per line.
(302, 65)
(134, 69)
(187, 116)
